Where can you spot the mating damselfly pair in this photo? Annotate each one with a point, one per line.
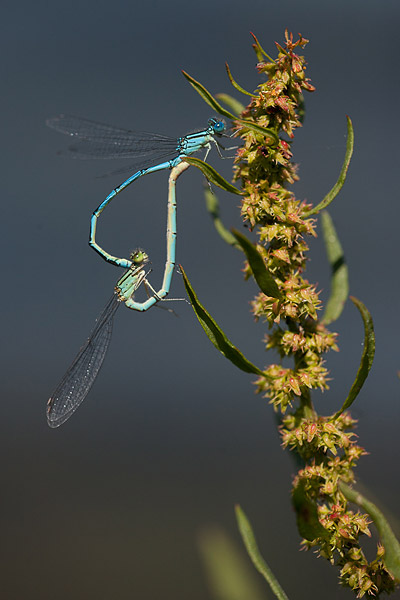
(153, 152)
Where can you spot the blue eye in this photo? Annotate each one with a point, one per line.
(218, 126)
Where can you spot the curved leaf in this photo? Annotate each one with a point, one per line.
(207, 97)
(259, 50)
(389, 540)
(233, 104)
(340, 274)
(264, 279)
(343, 173)
(250, 543)
(216, 335)
(236, 85)
(212, 205)
(212, 175)
(366, 359)
(211, 101)
(258, 129)
(308, 522)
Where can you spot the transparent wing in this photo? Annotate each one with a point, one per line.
(97, 140)
(77, 381)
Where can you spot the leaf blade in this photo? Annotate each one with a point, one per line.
(211, 101)
(233, 104)
(308, 523)
(264, 279)
(265, 131)
(259, 50)
(216, 335)
(366, 358)
(340, 275)
(207, 97)
(389, 540)
(331, 195)
(253, 551)
(212, 206)
(236, 85)
(212, 175)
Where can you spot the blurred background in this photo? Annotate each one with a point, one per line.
(111, 505)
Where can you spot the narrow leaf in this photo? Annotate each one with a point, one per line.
(366, 359)
(343, 173)
(211, 101)
(236, 106)
(212, 175)
(258, 129)
(250, 543)
(207, 97)
(229, 574)
(212, 205)
(236, 85)
(389, 540)
(216, 335)
(308, 522)
(264, 279)
(259, 50)
(340, 274)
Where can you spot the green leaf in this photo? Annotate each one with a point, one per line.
(366, 359)
(236, 85)
(212, 205)
(343, 173)
(308, 523)
(250, 543)
(233, 104)
(259, 50)
(389, 540)
(212, 175)
(340, 274)
(211, 101)
(207, 97)
(229, 574)
(216, 335)
(264, 279)
(258, 129)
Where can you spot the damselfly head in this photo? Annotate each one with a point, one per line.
(218, 125)
(139, 257)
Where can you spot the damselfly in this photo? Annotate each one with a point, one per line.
(150, 151)
(77, 381)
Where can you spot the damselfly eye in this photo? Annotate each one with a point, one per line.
(218, 126)
(138, 257)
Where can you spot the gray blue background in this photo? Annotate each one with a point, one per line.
(172, 435)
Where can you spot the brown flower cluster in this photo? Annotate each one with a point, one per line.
(326, 445)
